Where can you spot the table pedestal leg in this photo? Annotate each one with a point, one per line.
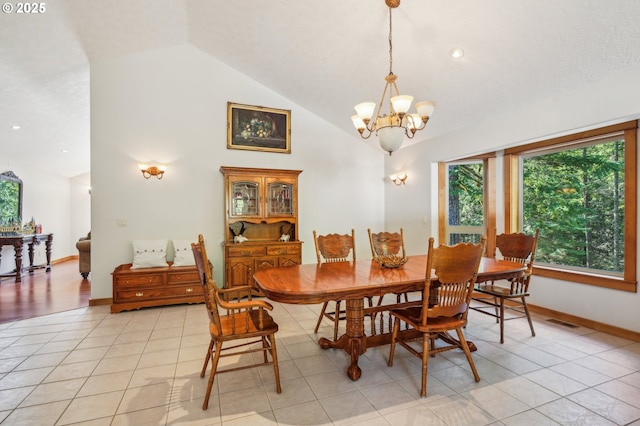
(354, 341)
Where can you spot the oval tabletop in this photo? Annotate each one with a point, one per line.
(317, 283)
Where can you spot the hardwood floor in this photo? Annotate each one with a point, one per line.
(61, 289)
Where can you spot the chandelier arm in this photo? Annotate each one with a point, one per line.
(395, 86)
(368, 133)
(409, 134)
(372, 124)
(423, 124)
(400, 115)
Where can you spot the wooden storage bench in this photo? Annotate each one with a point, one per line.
(141, 288)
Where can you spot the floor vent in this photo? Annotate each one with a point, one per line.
(566, 324)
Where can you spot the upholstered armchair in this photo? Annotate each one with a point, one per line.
(84, 255)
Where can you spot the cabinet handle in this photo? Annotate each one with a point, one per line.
(178, 278)
(139, 294)
(189, 290)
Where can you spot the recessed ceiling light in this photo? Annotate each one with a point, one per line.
(16, 127)
(456, 53)
(64, 150)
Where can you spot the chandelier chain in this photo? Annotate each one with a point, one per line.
(390, 45)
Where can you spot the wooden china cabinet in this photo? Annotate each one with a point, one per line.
(261, 222)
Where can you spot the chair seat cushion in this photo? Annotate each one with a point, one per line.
(244, 324)
(499, 291)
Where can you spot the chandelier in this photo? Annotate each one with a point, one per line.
(392, 127)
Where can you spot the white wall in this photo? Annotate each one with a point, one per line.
(169, 106)
(80, 206)
(614, 99)
(46, 198)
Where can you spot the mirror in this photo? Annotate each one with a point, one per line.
(10, 198)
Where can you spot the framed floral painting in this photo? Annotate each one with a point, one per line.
(258, 128)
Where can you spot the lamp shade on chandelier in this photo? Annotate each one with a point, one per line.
(391, 127)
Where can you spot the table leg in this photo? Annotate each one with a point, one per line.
(30, 251)
(17, 247)
(47, 244)
(354, 341)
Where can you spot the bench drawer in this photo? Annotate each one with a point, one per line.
(139, 280)
(183, 277)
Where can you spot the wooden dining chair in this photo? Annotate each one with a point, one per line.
(450, 278)
(334, 248)
(385, 244)
(492, 295)
(234, 316)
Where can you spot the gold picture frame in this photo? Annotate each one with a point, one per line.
(258, 128)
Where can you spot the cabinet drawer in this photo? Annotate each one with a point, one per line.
(144, 280)
(246, 251)
(183, 277)
(283, 250)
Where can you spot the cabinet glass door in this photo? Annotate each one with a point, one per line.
(245, 199)
(280, 199)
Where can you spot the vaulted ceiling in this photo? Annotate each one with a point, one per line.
(323, 55)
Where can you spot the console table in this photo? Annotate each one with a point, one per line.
(18, 242)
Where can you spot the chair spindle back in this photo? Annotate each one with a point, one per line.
(521, 248)
(456, 269)
(387, 243)
(335, 247)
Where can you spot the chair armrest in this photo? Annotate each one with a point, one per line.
(235, 293)
(237, 289)
(245, 305)
(83, 245)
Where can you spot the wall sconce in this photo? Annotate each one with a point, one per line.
(399, 178)
(148, 171)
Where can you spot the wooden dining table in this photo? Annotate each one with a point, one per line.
(355, 281)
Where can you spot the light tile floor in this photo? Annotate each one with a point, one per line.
(90, 367)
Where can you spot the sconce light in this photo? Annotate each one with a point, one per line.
(148, 171)
(399, 178)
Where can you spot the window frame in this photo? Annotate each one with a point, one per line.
(512, 201)
(513, 204)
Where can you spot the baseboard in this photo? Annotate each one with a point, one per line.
(606, 328)
(101, 302)
(64, 259)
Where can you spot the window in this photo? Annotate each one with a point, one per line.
(466, 206)
(580, 191)
(575, 197)
(465, 203)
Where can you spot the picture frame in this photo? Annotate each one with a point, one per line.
(258, 128)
